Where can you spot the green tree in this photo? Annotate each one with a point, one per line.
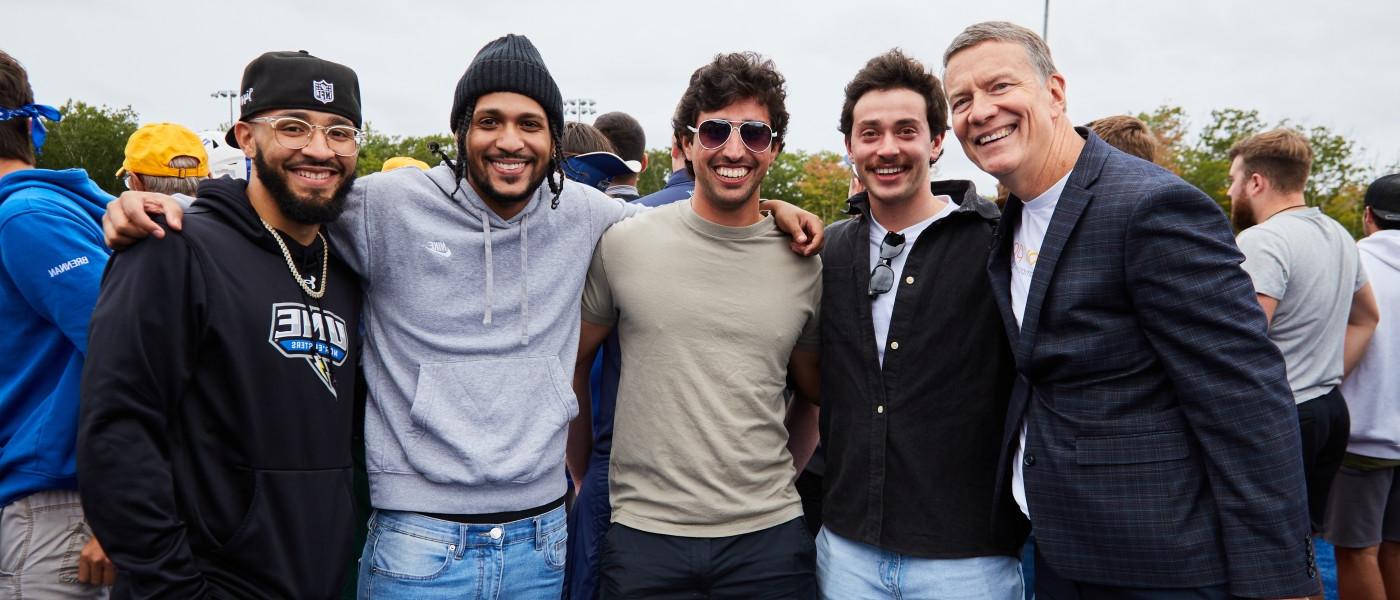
(379, 147)
(1336, 185)
(91, 138)
(823, 185)
(658, 170)
(781, 181)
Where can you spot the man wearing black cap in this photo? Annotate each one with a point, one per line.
(1361, 520)
(214, 445)
(473, 274)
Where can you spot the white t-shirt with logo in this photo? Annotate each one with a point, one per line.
(1025, 250)
(882, 306)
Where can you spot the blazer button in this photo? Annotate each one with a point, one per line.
(1029, 460)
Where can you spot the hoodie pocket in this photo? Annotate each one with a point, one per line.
(298, 534)
(489, 421)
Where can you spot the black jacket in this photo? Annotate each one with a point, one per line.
(214, 457)
(911, 449)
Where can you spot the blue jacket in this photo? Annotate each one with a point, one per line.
(1162, 446)
(679, 186)
(51, 262)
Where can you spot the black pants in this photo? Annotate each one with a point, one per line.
(778, 563)
(1325, 425)
(809, 488)
(1050, 586)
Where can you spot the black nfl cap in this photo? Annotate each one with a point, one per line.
(282, 80)
(1383, 196)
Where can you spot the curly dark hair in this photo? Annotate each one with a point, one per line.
(730, 78)
(14, 93)
(895, 70)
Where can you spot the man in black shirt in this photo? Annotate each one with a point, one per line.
(916, 369)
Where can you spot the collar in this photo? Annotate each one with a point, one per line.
(961, 191)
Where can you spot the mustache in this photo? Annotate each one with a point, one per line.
(326, 164)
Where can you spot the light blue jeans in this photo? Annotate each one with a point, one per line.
(410, 556)
(849, 569)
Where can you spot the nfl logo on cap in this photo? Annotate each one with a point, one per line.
(323, 91)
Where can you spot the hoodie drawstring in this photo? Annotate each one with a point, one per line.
(524, 274)
(525, 280)
(486, 233)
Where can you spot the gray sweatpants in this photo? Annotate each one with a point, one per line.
(40, 537)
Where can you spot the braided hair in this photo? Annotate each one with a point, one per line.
(556, 158)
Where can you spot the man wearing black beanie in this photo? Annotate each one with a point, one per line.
(472, 276)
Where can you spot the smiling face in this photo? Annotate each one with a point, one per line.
(308, 184)
(508, 148)
(1009, 121)
(891, 144)
(729, 176)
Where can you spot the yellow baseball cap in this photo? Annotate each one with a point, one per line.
(399, 162)
(150, 149)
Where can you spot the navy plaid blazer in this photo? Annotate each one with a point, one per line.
(1162, 446)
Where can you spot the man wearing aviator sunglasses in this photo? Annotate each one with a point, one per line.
(925, 401)
(718, 314)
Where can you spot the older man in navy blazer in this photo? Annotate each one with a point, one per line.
(1151, 437)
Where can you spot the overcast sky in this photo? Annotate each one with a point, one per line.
(1332, 63)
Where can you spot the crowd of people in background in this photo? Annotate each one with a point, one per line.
(512, 375)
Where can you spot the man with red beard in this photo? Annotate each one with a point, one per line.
(214, 449)
(714, 315)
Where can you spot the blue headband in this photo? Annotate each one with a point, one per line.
(33, 111)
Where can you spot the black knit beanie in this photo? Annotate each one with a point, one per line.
(509, 64)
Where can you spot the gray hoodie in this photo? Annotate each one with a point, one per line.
(472, 327)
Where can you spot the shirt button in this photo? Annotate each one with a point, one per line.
(894, 345)
(1028, 460)
(496, 533)
(909, 280)
(880, 409)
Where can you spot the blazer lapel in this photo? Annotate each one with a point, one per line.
(999, 266)
(1075, 197)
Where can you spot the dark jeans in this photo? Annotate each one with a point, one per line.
(778, 563)
(1325, 425)
(1050, 586)
(809, 488)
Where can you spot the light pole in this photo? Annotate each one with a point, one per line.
(1045, 25)
(230, 94)
(580, 108)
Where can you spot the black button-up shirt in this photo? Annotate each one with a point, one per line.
(911, 448)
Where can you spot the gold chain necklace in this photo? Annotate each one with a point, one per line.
(292, 266)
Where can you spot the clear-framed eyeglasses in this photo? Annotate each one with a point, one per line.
(294, 134)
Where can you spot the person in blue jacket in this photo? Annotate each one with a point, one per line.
(51, 262)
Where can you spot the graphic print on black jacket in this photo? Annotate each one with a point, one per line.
(214, 455)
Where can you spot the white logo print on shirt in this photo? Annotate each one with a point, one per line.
(439, 249)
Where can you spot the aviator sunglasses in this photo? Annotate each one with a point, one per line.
(714, 133)
(882, 278)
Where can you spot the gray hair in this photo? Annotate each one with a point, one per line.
(1002, 31)
(174, 185)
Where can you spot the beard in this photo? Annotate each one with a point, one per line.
(1242, 214)
(478, 174)
(308, 211)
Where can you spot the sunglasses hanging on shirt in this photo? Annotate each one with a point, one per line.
(882, 277)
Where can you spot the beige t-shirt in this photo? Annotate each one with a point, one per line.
(707, 317)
